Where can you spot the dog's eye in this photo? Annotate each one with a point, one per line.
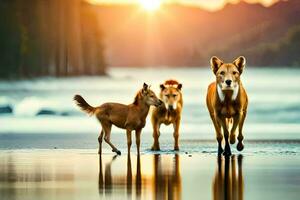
(151, 96)
(167, 95)
(222, 73)
(174, 95)
(234, 73)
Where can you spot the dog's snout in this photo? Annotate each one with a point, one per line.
(158, 103)
(170, 107)
(228, 82)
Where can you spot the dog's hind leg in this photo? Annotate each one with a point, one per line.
(240, 145)
(107, 131)
(128, 132)
(100, 139)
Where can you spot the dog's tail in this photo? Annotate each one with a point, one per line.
(84, 105)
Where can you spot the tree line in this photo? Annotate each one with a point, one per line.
(49, 38)
(284, 52)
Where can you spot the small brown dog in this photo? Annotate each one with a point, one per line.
(130, 117)
(227, 102)
(169, 113)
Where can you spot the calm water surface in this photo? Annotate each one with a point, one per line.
(81, 174)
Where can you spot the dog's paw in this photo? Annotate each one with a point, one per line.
(240, 146)
(220, 151)
(117, 151)
(232, 140)
(227, 153)
(155, 148)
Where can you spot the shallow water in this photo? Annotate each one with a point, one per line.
(81, 174)
(187, 145)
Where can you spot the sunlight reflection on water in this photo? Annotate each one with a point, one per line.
(66, 175)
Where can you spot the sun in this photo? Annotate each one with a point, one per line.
(150, 5)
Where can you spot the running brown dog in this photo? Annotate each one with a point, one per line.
(169, 113)
(227, 102)
(130, 117)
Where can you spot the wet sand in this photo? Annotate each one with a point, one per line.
(82, 174)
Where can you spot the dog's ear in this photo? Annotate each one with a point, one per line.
(162, 86)
(215, 63)
(179, 86)
(240, 63)
(145, 86)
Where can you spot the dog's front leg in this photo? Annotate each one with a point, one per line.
(155, 146)
(138, 139)
(222, 121)
(236, 120)
(240, 145)
(176, 134)
(219, 135)
(128, 132)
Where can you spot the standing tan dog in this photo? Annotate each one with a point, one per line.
(169, 113)
(130, 117)
(227, 102)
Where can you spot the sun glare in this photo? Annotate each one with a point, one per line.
(150, 5)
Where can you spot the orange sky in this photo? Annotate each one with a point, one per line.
(207, 4)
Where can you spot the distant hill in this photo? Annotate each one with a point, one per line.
(179, 35)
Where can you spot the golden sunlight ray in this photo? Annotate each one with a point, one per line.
(150, 5)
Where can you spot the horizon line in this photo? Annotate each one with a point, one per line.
(203, 5)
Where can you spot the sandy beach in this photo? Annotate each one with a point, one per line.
(82, 174)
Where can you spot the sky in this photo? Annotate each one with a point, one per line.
(207, 4)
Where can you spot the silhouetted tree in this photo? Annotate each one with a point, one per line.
(49, 38)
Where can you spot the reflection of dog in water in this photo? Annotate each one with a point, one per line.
(106, 182)
(228, 183)
(167, 181)
(138, 178)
